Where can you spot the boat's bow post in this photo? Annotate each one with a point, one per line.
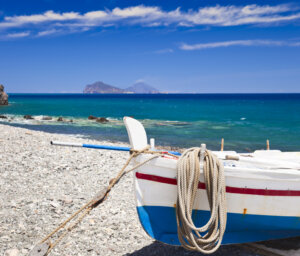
(136, 133)
(152, 144)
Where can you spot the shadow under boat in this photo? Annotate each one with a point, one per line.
(283, 245)
(161, 249)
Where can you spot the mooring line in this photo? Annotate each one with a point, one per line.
(44, 247)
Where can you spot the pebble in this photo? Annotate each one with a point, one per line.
(67, 200)
(12, 252)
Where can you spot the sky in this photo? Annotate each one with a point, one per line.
(59, 46)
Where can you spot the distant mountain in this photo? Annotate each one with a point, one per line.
(141, 87)
(100, 87)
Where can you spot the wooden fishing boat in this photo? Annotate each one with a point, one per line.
(262, 191)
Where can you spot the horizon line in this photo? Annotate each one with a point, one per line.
(164, 93)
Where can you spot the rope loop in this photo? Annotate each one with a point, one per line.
(189, 171)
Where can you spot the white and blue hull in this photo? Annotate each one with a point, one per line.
(262, 203)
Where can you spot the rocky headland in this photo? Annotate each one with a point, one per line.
(3, 96)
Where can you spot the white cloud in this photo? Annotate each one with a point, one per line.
(18, 35)
(202, 46)
(137, 11)
(162, 51)
(148, 16)
(38, 18)
(95, 15)
(48, 32)
(241, 15)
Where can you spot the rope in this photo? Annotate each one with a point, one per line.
(98, 199)
(188, 176)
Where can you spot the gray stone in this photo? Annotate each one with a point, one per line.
(3, 96)
(54, 204)
(12, 252)
(102, 120)
(28, 117)
(67, 200)
(47, 118)
(92, 117)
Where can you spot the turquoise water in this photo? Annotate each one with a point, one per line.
(245, 121)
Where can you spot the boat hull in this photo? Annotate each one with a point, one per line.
(261, 205)
(160, 223)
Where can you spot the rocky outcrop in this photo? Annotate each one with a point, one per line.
(102, 120)
(3, 96)
(98, 119)
(46, 118)
(92, 117)
(28, 117)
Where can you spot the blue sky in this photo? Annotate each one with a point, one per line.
(176, 46)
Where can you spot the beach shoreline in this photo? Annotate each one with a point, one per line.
(42, 185)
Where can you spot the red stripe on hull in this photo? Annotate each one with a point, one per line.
(235, 190)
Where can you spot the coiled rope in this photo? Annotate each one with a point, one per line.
(189, 167)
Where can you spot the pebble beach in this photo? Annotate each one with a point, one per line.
(42, 185)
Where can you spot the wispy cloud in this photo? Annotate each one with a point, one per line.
(202, 46)
(48, 32)
(150, 16)
(140, 81)
(18, 35)
(163, 51)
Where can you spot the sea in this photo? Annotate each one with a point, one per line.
(245, 121)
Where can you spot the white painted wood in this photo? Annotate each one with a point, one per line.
(152, 144)
(136, 133)
(153, 193)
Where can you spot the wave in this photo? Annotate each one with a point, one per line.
(85, 122)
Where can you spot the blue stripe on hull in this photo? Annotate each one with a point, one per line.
(160, 223)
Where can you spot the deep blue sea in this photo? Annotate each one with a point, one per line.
(245, 121)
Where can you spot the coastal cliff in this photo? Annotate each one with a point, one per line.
(100, 87)
(3, 96)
